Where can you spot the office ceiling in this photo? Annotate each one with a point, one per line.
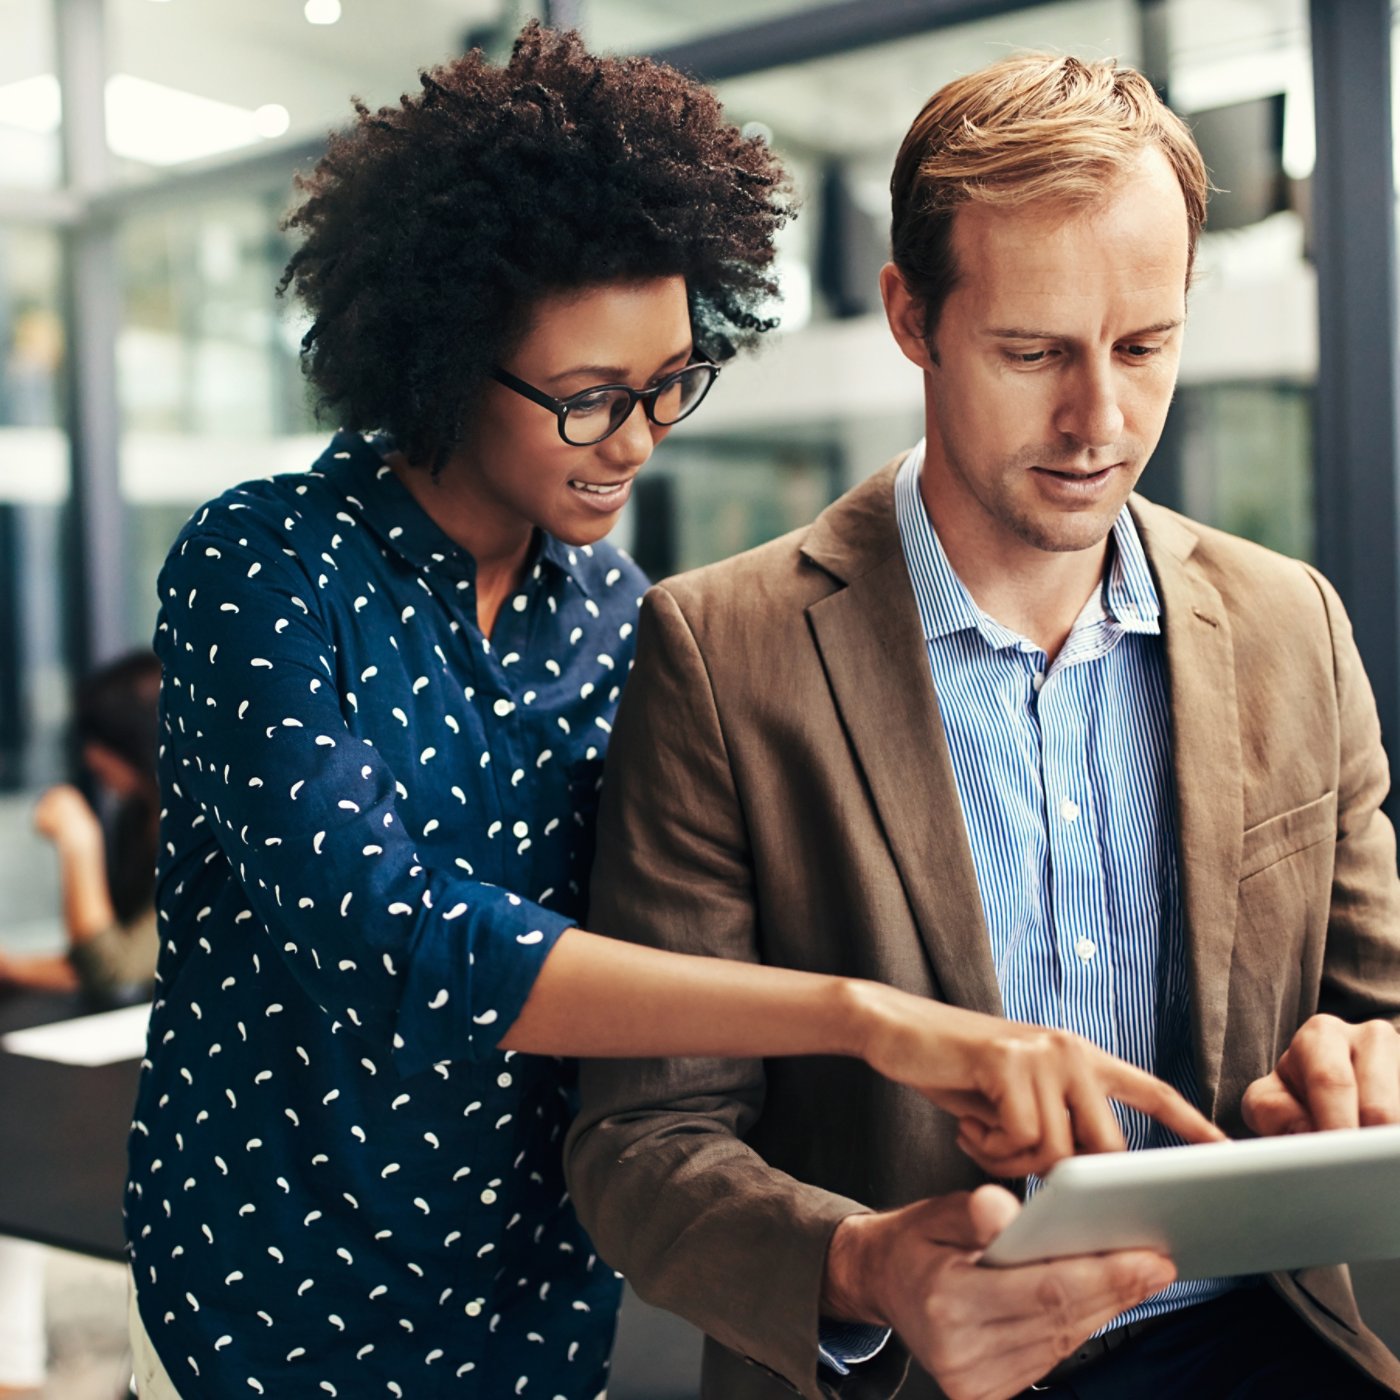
(258, 52)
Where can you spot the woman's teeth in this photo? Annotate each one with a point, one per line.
(598, 490)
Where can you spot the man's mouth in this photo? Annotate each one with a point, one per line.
(1079, 475)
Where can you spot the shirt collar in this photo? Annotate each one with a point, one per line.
(1128, 597)
(355, 465)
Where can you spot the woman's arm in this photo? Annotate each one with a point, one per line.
(63, 816)
(1026, 1096)
(46, 972)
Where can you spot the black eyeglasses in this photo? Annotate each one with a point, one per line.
(590, 416)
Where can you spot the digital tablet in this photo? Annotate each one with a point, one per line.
(1221, 1208)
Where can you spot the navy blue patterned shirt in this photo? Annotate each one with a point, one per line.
(376, 824)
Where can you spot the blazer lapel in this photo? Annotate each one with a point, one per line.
(873, 651)
(1209, 777)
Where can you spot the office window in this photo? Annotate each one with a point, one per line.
(210, 388)
(33, 493)
(641, 26)
(194, 83)
(29, 104)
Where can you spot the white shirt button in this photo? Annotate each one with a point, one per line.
(521, 829)
(1069, 808)
(473, 1308)
(520, 602)
(488, 1197)
(503, 707)
(1085, 949)
(504, 1081)
(1037, 680)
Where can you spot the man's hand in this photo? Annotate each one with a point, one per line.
(1025, 1096)
(983, 1334)
(1333, 1075)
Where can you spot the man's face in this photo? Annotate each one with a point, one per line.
(1052, 365)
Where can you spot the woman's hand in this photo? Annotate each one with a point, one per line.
(62, 815)
(1024, 1096)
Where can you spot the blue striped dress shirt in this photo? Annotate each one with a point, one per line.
(1064, 774)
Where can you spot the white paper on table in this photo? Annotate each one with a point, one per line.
(103, 1039)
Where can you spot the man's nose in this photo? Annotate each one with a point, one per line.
(1090, 412)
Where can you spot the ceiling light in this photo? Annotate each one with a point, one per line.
(147, 121)
(322, 11)
(272, 120)
(32, 104)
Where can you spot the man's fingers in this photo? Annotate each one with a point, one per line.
(1072, 1299)
(1140, 1090)
(1271, 1110)
(970, 1221)
(1087, 1289)
(1029, 1318)
(1317, 1069)
(1376, 1063)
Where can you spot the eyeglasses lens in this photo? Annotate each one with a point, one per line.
(681, 394)
(592, 417)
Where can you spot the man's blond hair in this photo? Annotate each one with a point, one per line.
(1038, 128)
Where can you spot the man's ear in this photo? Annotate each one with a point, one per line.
(905, 313)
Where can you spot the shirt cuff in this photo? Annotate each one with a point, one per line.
(841, 1345)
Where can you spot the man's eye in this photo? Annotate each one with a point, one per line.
(1141, 352)
(1029, 357)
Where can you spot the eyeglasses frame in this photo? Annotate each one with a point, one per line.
(646, 397)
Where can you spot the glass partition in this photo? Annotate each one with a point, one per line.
(33, 606)
(29, 105)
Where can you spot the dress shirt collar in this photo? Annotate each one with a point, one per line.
(356, 465)
(1128, 597)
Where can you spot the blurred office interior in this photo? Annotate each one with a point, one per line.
(147, 149)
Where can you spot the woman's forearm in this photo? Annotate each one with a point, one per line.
(87, 904)
(600, 997)
(1024, 1095)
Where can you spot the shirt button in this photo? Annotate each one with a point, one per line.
(1069, 808)
(521, 829)
(1085, 949)
(504, 1081)
(503, 707)
(488, 1197)
(1037, 680)
(520, 602)
(474, 1308)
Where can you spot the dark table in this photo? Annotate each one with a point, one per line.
(62, 1137)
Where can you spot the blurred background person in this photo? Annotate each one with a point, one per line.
(106, 869)
(107, 880)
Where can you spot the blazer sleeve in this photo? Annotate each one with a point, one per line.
(1361, 971)
(657, 1162)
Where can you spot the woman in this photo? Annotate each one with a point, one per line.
(389, 685)
(108, 911)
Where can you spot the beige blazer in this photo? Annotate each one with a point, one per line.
(779, 789)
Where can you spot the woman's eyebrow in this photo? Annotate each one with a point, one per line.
(614, 374)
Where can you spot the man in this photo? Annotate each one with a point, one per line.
(995, 731)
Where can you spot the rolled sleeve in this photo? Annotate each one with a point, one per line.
(416, 958)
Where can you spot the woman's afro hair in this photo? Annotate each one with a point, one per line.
(429, 229)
